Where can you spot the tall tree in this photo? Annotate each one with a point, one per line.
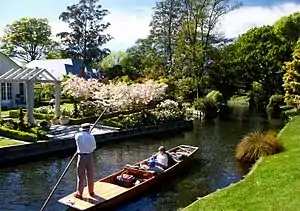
(27, 39)
(199, 20)
(84, 42)
(288, 27)
(143, 58)
(165, 26)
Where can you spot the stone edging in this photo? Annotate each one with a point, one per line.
(14, 155)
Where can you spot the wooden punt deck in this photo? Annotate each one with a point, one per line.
(103, 191)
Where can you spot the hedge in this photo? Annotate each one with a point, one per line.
(46, 102)
(19, 135)
(16, 113)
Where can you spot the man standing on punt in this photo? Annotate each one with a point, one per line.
(86, 144)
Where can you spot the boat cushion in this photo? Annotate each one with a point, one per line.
(126, 180)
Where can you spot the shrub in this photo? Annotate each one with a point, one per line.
(186, 89)
(207, 106)
(16, 113)
(257, 144)
(273, 108)
(41, 135)
(44, 125)
(292, 112)
(19, 135)
(186, 105)
(216, 96)
(44, 110)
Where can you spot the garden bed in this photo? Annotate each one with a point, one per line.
(271, 185)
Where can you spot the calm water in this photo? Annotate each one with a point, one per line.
(26, 187)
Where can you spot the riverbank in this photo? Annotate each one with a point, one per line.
(272, 184)
(15, 155)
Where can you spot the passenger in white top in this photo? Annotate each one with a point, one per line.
(86, 144)
(162, 158)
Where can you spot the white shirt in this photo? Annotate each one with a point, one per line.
(85, 142)
(162, 159)
(52, 101)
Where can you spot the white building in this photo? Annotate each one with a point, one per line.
(12, 94)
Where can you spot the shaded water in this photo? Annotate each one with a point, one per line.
(26, 187)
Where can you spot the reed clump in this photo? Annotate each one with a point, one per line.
(257, 144)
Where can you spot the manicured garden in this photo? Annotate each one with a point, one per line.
(127, 107)
(273, 183)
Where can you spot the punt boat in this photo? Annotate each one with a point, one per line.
(130, 182)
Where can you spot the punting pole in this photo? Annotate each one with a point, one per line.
(69, 164)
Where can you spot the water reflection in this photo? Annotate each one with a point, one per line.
(26, 187)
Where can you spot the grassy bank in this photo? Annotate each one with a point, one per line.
(273, 184)
(5, 142)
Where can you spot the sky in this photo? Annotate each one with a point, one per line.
(130, 18)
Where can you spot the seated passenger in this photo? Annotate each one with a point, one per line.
(158, 163)
(162, 158)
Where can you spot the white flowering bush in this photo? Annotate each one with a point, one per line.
(44, 110)
(168, 104)
(116, 97)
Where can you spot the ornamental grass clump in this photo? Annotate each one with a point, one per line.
(257, 144)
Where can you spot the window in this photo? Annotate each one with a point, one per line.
(21, 88)
(6, 91)
(3, 91)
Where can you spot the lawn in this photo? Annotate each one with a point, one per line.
(5, 142)
(273, 184)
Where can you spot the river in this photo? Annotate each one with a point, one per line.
(26, 187)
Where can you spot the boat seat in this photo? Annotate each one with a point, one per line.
(138, 172)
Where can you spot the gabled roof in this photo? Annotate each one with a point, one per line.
(35, 75)
(61, 67)
(9, 59)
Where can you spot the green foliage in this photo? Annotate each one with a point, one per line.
(41, 134)
(257, 96)
(185, 89)
(292, 112)
(207, 106)
(288, 27)
(114, 58)
(257, 144)
(291, 80)
(124, 79)
(15, 114)
(47, 91)
(27, 39)
(259, 56)
(86, 38)
(57, 54)
(223, 73)
(145, 118)
(19, 135)
(216, 96)
(44, 125)
(165, 26)
(273, 108)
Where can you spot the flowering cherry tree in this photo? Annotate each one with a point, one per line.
(114, 96)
